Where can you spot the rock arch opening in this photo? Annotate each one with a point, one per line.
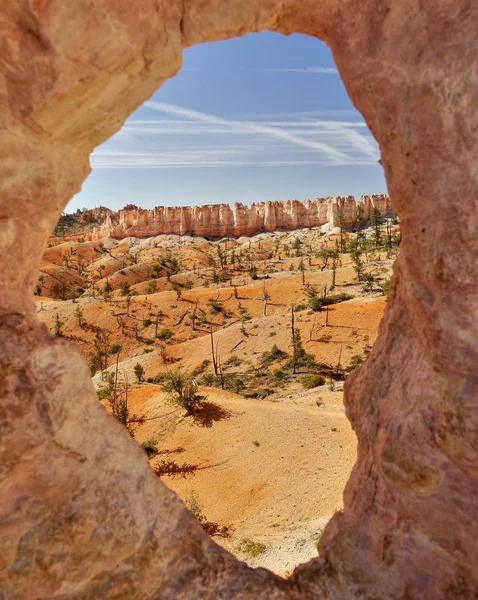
(144, 304)
(407, 526)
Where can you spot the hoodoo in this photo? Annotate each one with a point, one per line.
(219, 220)
(82, 514)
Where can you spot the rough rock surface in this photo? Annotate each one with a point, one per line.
(219, 220)
(81, 516)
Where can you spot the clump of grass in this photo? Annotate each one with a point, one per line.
(337, 298)
(251, 548)
(164, 334)
(233, 361)
(274, 354)
(312, 380)
(150, 446)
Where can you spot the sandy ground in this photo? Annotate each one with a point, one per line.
(273, 472)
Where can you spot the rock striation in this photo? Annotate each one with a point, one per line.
(220, 220)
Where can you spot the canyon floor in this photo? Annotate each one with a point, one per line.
(266, 458)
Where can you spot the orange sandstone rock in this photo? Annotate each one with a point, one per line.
(220, 220)
(82, 515)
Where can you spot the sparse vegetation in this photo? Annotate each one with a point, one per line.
(182, 390)
(312, 380)
(250, 547)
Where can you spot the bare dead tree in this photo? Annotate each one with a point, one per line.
(292, 329)
(214, 358)
(265, 297)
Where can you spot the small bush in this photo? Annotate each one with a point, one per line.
(355, 362)
(103, 393)
(312, 380)
(164, 334)
(182, 390)
(201, 368)
(150, 446)
(259, 393)
(139, 372)
(114, 349)
(385, 287)
(237, 385)
(300, 307)
(275, 354)
(233, 361)
(251, 548)
(337, 298)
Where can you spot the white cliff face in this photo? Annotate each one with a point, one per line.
(219, 220)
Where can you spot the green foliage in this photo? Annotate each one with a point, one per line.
(337, 298)
(114, 349)
(146, 323)
(152, 287)
(253, 273)
(232, 361)
(181, 389)
(386, 286)
(215, 305)
(261, 392)
(237, 385)
(125, 289)
(300, 307)
(103, 393)
(251, 548)
(302, 358)
(355, 362)
(58, 325)
(315, 302)
(201, 368)
(312, 380)
(164, 334)
(297, 246)
(275, 353)
(150, 446)
(139, 372)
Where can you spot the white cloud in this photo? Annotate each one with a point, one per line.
(248, 127)
(313, 70)
(189, 138)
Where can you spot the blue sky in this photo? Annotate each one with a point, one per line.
(263, 117)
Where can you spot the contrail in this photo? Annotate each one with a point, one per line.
(249, 127)
(319, 70)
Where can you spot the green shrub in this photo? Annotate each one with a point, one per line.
(139, 372)
(103, 393)
(251, 548)
(237, 385)
(386, 286)
(182, 390)
(150, 446)
(312, 380)
(355, 362)
(201, 368)
(233, 361)
(114, 349)
(300, 307)
(274, 354)
(337, 298)
(259, 393)
(164, 334)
